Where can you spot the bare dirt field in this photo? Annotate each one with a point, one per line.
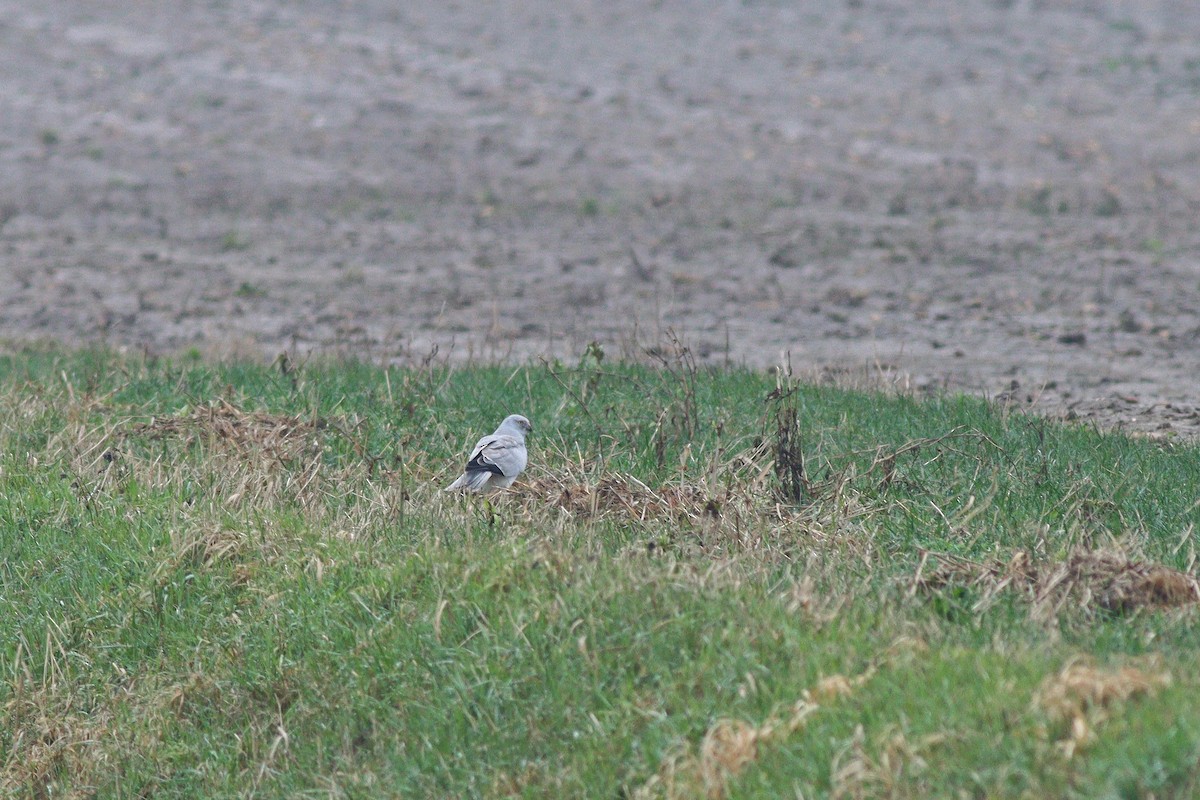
(990, 196)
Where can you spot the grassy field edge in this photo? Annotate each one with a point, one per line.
(244, 580)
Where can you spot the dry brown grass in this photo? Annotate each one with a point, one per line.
(1109, 580)
(725, 750)
(224, 426)
(620, 496)
(884, 770)
(53, 732)
(252, 459)
(66, 743)
(718, 521)
(729, 746)
(1082, 697)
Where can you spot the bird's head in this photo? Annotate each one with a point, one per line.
(516, 422)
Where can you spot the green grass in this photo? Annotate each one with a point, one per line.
(236, 580)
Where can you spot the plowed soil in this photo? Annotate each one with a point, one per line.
(992, 196)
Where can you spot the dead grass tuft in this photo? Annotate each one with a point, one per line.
(717, 514)
(1109, 580)
(251, 459)
(830, 688)
(862, 772)
(620, 496)
(729, 746)
(205, 546)
(1116, 583)
(50, 735)
(1082, 697)
(234, 429)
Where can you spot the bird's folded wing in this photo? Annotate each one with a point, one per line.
(498, 454)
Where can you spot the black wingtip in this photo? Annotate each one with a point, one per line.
(476, 465)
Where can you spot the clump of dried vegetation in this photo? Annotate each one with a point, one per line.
(1109, 580)
(224, 426)
(730, 746)
(1081, 697)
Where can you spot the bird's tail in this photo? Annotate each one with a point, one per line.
(473, 481)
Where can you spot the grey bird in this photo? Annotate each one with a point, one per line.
(497, 459)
